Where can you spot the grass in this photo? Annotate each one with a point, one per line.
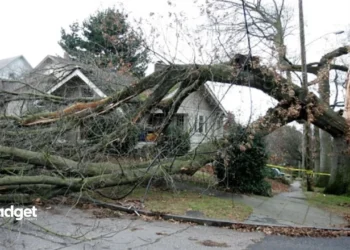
(202, 177)
(333, 203)
(180, 202)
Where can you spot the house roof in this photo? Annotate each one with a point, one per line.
(7, 61)
(102, 81)
(209, 94)
(214, 99)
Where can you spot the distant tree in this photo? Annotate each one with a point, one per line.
(108, 40)
(285, 146)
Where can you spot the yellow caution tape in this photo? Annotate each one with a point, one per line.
(311, 172)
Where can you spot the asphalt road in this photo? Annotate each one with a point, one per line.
(65, 228)
(62, 227)
(289, 243)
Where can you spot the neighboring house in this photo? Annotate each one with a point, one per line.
(14, 67)
(65, 78)
(200, 114)
(11, 71)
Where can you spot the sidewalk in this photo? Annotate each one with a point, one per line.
(291, 208)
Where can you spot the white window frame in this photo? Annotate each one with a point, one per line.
(201, 124)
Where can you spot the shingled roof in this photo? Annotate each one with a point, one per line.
(7, 61)
(106, 80)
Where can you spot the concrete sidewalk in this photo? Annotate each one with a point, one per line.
(290, 208)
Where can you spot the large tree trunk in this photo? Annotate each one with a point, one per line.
(69, 176)
(316, 147)
(325, 158)
(339, 181)
(325, 138)
(340, 172)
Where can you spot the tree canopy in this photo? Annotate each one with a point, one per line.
(106, 39)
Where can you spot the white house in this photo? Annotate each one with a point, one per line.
(200, 114)
(14, 67)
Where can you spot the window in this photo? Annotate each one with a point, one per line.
(202, 124)
(156, 119)
(38, 103)
(206, 124)
(87, 92)
(218, 125)
(11, 75)
(180, 122)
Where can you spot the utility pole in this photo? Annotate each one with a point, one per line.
(307, 130)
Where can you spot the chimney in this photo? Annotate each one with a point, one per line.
(66, 56)
(159, 65)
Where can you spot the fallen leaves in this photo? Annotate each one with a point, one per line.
(211, 243)
(277, 186)
(292, 231)
(162, 233)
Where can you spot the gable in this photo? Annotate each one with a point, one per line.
(194, 102)
(14, 67)
(202, 99)
(77, 74)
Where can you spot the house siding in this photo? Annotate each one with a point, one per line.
(196, 105)
(15, 69)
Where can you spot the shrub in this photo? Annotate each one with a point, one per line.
(244, 169)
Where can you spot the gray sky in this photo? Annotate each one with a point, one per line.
(32, 28)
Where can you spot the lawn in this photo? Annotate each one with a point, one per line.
(182, 201)
(334, 203)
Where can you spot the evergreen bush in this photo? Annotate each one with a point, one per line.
(243, 168)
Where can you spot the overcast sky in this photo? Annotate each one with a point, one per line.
(32, 28)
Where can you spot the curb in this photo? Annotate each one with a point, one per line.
(201, 221)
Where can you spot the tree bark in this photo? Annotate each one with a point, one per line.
(316, 147)
(97, 175)
(339, 182)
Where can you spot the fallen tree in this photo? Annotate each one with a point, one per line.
(68, 176)
(51, 174)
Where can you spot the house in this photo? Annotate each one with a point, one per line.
(201, 113)
(65, 78)
(14, 67)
